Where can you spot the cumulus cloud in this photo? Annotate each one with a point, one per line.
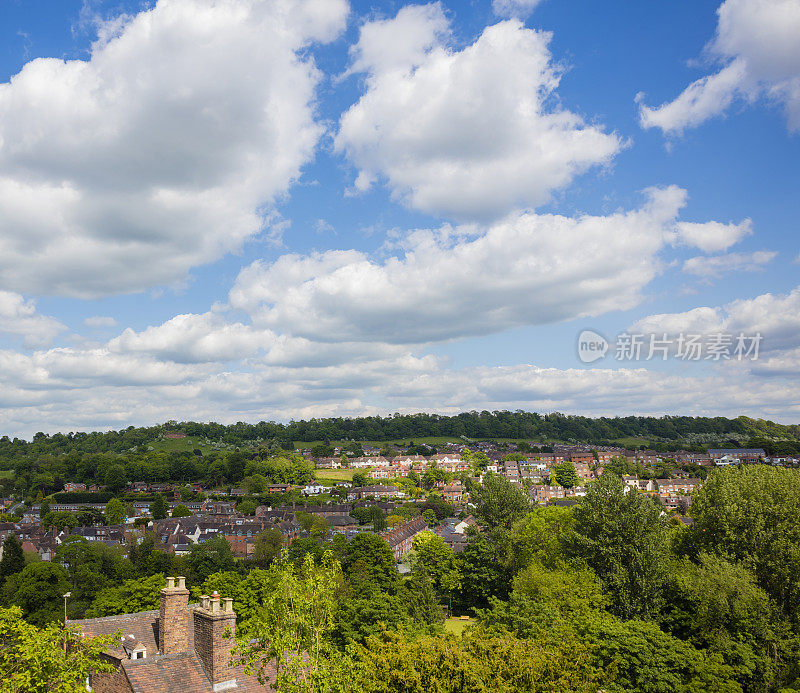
(123, 171)
(70, 390)
(18, 317)
(470, 133)
(527, 269)
(775, 316)
(757, 43)
(712, 236)
(714, 267)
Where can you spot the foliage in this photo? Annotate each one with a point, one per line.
(140, 594)
(38, 590)
(181, 510)
(370, 559)
(750, 515)
(540, 536)
(499, 502)
(208, 557)
(290, 627)
(394, 663)
(438, 560)
(13, 560)
(622, 537)
(33, 660)
(116, 512)
(158, 508)
(565, 475)
(268, 546)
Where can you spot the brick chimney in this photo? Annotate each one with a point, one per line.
(173, 623)
(211, 621)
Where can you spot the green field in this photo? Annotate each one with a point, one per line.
(456, 626)
(6, 473)
(335, 474)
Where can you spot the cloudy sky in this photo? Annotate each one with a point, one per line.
(273, 209)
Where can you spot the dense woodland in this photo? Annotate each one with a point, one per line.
(607, 595)
(684, 430)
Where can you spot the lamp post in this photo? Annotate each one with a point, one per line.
(66, 594)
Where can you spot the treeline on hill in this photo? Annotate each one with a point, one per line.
(38, 476)
(475, 425)
(607, 595)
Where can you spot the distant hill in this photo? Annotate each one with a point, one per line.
(666, 432)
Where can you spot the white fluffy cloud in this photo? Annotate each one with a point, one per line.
(161, 151)
(18, 317)
(470, 133)
(712, 236)
(757, 41)
(718, 265)
(527, 269)
(70, 390)
(775, 316)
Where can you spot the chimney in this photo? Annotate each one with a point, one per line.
(173, 623)
(211, 621)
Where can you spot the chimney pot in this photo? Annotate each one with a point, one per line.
(181, 583)
(211, 623)
(173, 622)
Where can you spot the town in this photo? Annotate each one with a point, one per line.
(383, 482)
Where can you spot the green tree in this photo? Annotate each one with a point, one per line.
(750, 515)
(499, 502)
(565, 474)
(38, 590)
(394, 663)
(370, 558)
(247, 507)
(44, 509)
(141, 594)
(268, 547)
(13, 560)
(360, 479)
(236, 466)
(421, 599)
(115, 478)
(158, 508)
(622, 537)
(289, 631)
(539, 536)
(210, 556)
(438, 560)
(430, 517)
(116, 512)
(181, 510)
(34, 660)
(484, 572)
(255, 484)
(61, 519)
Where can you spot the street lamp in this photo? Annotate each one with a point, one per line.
(66, 594)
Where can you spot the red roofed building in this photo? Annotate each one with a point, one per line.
(177, 649)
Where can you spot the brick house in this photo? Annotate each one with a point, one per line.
(177, 649)
(671, 487)
(374, 492)
(401, 537)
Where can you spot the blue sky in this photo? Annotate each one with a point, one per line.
(250, 210)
